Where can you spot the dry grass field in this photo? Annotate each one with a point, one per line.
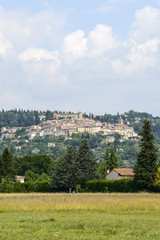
(80, 216)
(85, 201)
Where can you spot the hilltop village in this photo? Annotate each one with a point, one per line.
(65, 124)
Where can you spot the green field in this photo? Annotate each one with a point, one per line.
(80, 216)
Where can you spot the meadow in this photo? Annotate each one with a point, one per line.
(80, 216)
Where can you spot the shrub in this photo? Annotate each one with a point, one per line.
(123, 185)
(18, 187)
(156, 187)
(42, 186)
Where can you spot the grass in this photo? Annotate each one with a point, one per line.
(79, 216)
(88, 201)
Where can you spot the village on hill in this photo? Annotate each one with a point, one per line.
(65, 124)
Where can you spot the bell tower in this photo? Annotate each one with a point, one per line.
(120, 121)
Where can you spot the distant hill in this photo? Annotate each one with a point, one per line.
(56, 146)
(25, 118)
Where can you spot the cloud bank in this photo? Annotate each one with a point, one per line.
(42, 67)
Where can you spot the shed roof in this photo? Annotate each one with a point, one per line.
(124, 171)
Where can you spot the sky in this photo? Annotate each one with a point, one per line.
(94, 56)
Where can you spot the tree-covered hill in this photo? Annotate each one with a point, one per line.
(125, 150)
(18, 118)
(25, 118)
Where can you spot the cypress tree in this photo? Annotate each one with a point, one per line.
(146, 167)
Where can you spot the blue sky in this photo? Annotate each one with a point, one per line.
(90, 55)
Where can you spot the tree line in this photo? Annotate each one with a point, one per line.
(79, 165)
(75, 167)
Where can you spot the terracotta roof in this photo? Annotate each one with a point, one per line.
(20, 177)
(124, 171)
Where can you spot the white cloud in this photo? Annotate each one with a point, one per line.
(45, 65)
(74, 46)
(102, 50)
(146, 24)
(24, 42)
(5, 46)
(150, 46)
(40, 63)
(138, 58)
(101, 40)
(24, 30)
(39, 55)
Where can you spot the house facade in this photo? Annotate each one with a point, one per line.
(20, 179)
(120, 173)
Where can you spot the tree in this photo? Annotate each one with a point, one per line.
(113, 160)
(39, 163)
(49, 115)
(116, 141)
(86, 163)
(146, 167)
(31, 176)
(43, 177)
(35, 177)
(101, 169)
(107, 159)
(110, 160)
(65, 172)
(7, 170)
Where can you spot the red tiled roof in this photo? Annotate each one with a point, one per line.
(124, 171)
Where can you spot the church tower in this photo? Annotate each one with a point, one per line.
(120, 121)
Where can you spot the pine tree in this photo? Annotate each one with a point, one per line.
(64, 175)
(146, 167)
(74, 168)
(86, 163)
(7, 166)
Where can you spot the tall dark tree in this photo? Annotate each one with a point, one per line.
(147, 166)
(37, 119)
(7, 171)
(65, 173)
(49, 115)
(87, 165)
(113, 160)
(117, 141)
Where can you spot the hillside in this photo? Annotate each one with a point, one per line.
(33, 132)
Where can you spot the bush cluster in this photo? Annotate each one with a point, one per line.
(17, 187)
(123, 185)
